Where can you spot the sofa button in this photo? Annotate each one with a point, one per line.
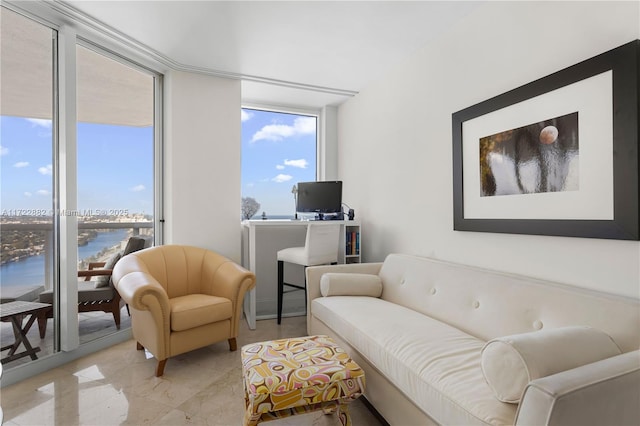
(433, 290)
(537, 324)
(476, 304)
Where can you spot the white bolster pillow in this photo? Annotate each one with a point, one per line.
(347, 284)
(509, 363)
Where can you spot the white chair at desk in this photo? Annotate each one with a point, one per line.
(320, 248)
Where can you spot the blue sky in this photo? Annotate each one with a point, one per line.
(115, 163)
(115, 166)
(278, 151)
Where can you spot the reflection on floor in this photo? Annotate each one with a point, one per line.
(91, 325)
(118, 386)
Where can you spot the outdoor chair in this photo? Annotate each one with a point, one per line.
(98, 295)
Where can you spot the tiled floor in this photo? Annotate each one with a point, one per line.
(118, 386)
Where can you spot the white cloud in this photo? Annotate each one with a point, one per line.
(46, 170)
(244, 115)
(305, 125)
(39, 122)
(21, 164)
(282, 178)
(43, 192)
(279, 167)
(301, 163)
(3, 150)
(277, 132)
(273, 132)
(138, 188)
(28, 194)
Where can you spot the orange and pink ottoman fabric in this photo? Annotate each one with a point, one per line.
(296, 376)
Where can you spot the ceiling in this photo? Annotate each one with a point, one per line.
(290, 53)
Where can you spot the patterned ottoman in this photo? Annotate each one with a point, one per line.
(296, 376)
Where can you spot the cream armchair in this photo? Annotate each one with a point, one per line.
(181, 298)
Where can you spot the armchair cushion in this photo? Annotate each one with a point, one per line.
(46, 297)
(194, 310)
(105, 280)
(509, 363)
(86, 293)
(350, 284)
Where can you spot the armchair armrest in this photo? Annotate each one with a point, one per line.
(603, 392)
(93, 272)
(232, 281)
(142, 292)
(149, 305)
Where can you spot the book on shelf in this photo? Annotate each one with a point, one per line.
(352, 247)
(352, 242)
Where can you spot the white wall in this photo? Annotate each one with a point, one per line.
(395, 149)
(328, 146)
(202, 162)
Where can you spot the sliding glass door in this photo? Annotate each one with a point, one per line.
(78, 173)
(115, 171)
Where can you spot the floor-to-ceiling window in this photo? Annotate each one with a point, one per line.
(115, 164)
(27, 160)
(114, 158)
(279, 149)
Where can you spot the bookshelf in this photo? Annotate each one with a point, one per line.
(351, 244)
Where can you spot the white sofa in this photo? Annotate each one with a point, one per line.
(425, 343)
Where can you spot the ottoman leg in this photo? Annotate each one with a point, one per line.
(343, 415)
(250, 418)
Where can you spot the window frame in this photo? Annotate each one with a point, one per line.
(320, 160)
(296, 111)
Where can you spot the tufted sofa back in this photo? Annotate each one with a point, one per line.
(489, 304)
(180, 270)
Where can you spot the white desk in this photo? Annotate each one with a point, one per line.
(261, 241)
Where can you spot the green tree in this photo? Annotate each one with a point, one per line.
(249, 207)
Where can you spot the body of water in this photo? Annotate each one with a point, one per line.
(30, 271)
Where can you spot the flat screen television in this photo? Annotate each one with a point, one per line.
(319, 197)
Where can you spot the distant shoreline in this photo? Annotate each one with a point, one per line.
(17, 255)
(31, 270)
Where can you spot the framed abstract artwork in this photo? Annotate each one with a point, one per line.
(558, 156)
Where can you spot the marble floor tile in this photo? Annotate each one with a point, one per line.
(118, 386)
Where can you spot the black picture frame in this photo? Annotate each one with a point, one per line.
(624, 64)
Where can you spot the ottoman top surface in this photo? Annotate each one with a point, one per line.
(278, 366)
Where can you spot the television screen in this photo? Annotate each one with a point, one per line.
(319, 197)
